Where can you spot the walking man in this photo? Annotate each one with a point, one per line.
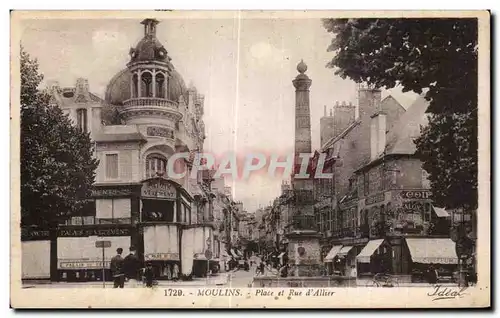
(116, 268)
(131, 267)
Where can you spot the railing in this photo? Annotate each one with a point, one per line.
(150, 101)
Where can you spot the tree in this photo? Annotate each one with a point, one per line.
(438, 56)
(57, 165)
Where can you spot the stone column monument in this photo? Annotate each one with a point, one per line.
(303, 247)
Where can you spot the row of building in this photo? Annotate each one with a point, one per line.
(375, 214)
(147, 115)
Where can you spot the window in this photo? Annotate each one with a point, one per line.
(111, 166)
(160, 85)
(113, 211)
(146, 83)
(81, 119)
(88, 220)
(135, 87)
(156, 165)
(366, 182)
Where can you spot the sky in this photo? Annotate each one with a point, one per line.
(243, 66)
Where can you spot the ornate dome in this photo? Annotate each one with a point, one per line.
(118, 89)
(149, 48)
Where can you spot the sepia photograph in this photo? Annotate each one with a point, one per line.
(250, 159)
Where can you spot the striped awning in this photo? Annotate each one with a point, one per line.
(344, 250)
(333, 252)
(368, 250)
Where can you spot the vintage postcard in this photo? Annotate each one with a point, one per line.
(244, 159)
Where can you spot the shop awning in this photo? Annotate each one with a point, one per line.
(432, 250)
(333, 252)
(440, 212)
(368, 250)
(344, 250)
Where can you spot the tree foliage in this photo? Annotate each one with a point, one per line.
(438, 56)
(57, 164)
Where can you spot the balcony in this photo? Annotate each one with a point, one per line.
(150, 101)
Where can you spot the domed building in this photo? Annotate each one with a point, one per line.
(147, 115)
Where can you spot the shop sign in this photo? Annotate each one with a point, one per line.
(31, 234)
(93, 232)
(158, 188)
(415, 194)
(414, 206)
(162, 257)
(83, 264)
(111, 192)
(375, 198)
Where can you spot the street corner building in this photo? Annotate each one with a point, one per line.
(147, 115)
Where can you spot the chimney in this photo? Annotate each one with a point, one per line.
(82, 87)
(326, 128)
(369, 102)
(378, 126)
(344, 115)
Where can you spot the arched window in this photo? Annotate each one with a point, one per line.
(156, 165)
(135, 86)
(160, 85)
(146, 84)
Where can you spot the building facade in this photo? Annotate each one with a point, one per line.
(379, 215)
(148, 115)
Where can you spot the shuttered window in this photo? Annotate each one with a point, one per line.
(111, 166)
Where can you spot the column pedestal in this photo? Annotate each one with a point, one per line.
(304, 253)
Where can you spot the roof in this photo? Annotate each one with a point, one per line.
(400, 138)
(333, 140)
(117, 137)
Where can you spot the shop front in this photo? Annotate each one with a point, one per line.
(429, 254)
(161, 249)
(373, 258)
(331, 259)
(165, 211)
(78, 258)
(394, 215)
(35, 253)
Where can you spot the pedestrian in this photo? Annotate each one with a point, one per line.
(175, 272)
(261, 267)
(116, 267)
(131, 267)
(149, 275)
(431, 275)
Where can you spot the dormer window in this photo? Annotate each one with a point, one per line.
(81, 119)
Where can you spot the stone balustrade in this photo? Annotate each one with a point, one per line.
(150, 101)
